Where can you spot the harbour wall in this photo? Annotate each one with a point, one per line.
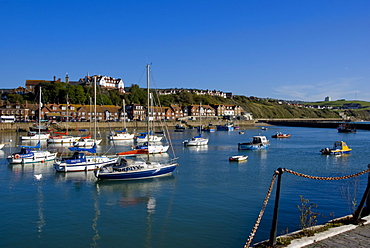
(24, 126)
(320, 123)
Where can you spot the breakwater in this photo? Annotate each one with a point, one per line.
(320, 123)
(25, 126)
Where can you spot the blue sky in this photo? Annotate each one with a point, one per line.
(287, 49)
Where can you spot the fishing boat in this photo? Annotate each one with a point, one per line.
(29, 154)
(339, 148)
(80, 161)
(238, 158)
(131, 170)
(258, 142)
(225, 127)
(280, 135)
(346, 128)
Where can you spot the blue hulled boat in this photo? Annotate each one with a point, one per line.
(258, 142)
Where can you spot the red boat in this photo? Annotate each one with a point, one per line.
(280, 135)
(133, 152)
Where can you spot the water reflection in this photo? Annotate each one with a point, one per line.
(40, 201)
(78, 176)
(133, 193)
(197, 148)
(36, 168)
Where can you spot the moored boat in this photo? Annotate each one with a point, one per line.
(196, 141)
(340, 147)
(346, 128)
(28, 154)
(280, 135)
(238, 158)
(33, 135)
(79, 161)
(133, 170)
(258, 142)
(226, 127)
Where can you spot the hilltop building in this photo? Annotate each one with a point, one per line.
(327, 99)
(106, 82)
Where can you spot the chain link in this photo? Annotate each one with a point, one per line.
(326, 178)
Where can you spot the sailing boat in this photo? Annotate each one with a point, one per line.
(27, 154)
(197, 140)
(121, 135)
(81, 162)
(129, 169)
(149, 136)
(33, 135)
(63, 138)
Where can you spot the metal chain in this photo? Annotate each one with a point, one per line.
(326, 178)
(254, 230)
(258, 221)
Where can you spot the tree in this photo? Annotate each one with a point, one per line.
(137, 95)
(15, 98)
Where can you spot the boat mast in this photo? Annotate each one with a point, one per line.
(67, 115)
(94, 109)
(147, 109)
(40, 116)
(124, 114)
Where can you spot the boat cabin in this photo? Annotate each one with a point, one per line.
(77, 157)
(259, 140)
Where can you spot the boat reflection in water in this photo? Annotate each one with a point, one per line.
(203, 148)
(137, 192)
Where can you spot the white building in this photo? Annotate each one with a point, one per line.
(105, 82)
(327, 99)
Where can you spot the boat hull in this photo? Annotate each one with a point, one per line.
(120, 136)
(91, 164)
(196, 142)
(37, 157)
(248, 146)
(131, 174)
(238, 158)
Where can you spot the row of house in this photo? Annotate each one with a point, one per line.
(135, 112)
(196, 91)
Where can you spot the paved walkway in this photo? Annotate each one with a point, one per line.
(344, 236)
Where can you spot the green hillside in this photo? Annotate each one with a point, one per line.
(339, 103)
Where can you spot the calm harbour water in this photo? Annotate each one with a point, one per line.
(208, 202)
